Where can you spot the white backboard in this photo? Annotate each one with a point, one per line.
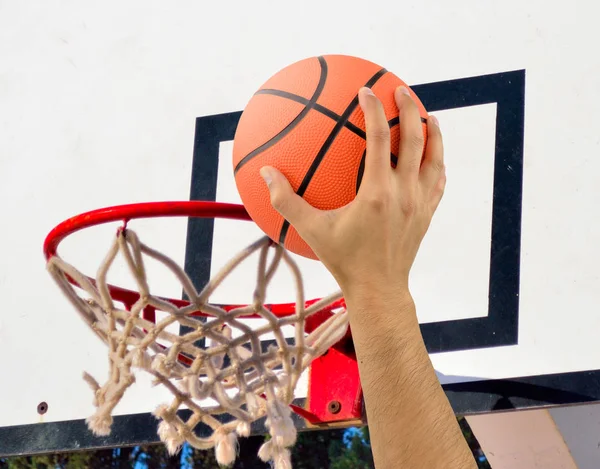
(105, 103)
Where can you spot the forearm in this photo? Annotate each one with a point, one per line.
(411, 422)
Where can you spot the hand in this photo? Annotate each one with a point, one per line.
(373, 241)
(369, 246)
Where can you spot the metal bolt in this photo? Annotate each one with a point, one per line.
(42, 408)
(334, 407)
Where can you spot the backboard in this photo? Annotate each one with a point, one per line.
(120, 103)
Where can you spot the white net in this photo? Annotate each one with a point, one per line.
(241, 381)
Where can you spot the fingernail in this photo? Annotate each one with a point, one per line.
(266, 175)
(434, 120)
(404, 90)
(368, 91)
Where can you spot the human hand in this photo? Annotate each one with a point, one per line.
(373, 241)
(369, 245)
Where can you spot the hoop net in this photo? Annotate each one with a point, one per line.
(240, 382)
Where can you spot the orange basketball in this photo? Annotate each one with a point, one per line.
(306, 122)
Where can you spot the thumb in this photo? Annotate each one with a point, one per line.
(290, 205)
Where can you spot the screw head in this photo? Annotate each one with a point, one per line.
(334, 407)
(42, 408)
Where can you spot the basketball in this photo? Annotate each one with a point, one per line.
(306, 122)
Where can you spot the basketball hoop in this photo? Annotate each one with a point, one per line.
(232, 377)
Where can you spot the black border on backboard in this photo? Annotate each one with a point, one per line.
(507, 90)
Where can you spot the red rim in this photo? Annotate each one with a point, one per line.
(125, 213)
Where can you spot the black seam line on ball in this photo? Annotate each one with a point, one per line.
(361, 167)
(396, 120)
(317, 107)
(361, 170)
(325, 148)
(291, 125)
(333, 115)
(326, 111)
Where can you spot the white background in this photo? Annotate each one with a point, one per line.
(98, 102)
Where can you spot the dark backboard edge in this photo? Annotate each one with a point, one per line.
(466, 398)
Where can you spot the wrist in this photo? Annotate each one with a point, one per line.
(374, 307)
(369, 295)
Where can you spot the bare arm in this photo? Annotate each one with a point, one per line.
(369, 246)
(410, 419)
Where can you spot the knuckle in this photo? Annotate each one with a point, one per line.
(279, 201)
(438, 166)
(377, 205)
(438, 191)
(441, 187)
(442, 183)
(409, 207)
(377, 201)
(413, 164)
(416, 140)
(379, 133)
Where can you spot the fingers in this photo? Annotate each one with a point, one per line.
(432, 167)
(438, 191)
(290, 205)
(411, 135)
(377, 161)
